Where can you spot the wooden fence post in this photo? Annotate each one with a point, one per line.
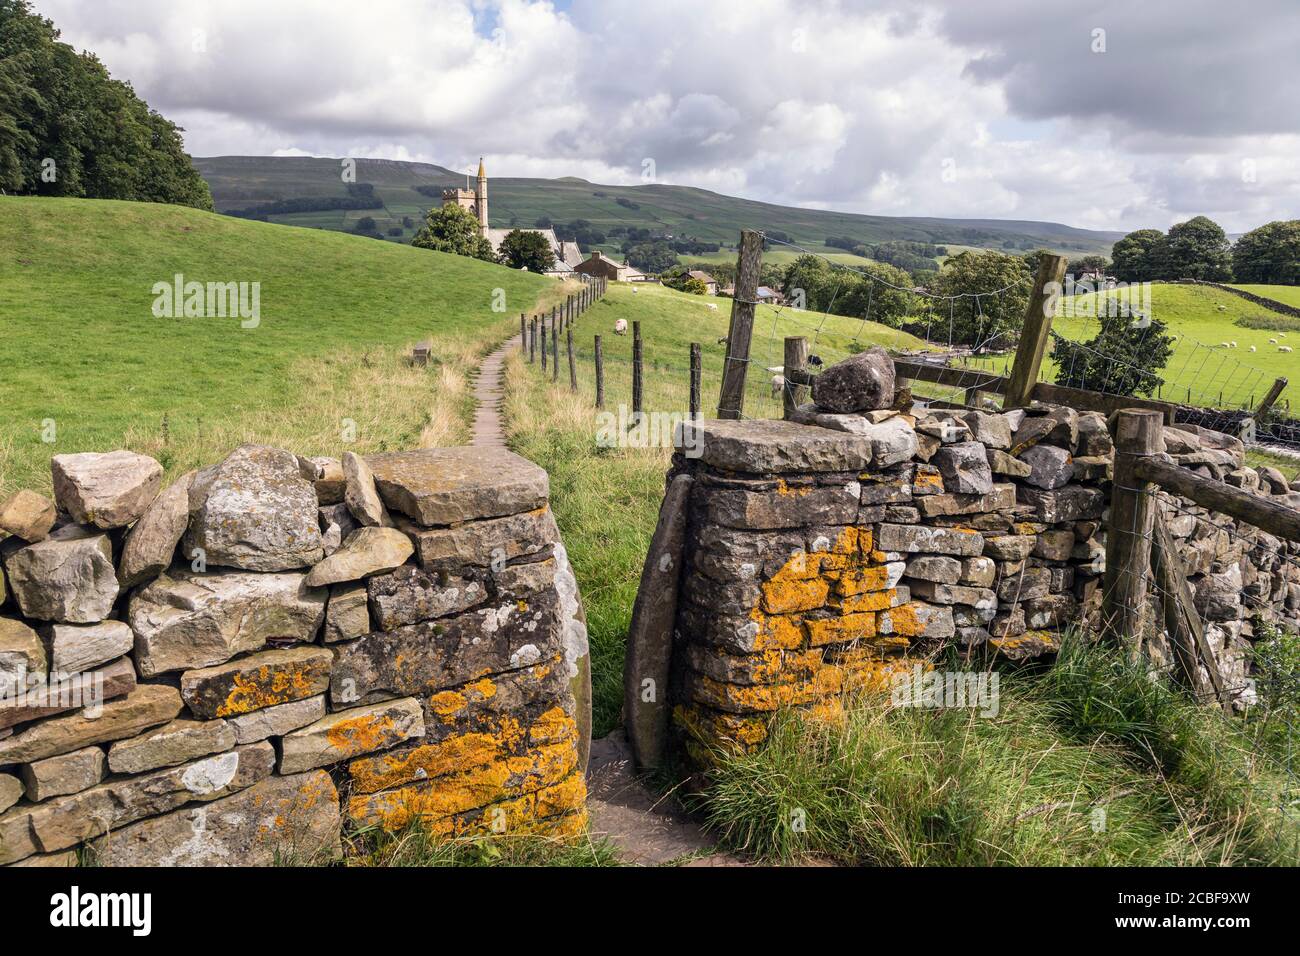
(543, 317)
(1270, 399)
(532, 341)
(1036, 331)
(1138, 434)
(796, 360)
(695, 381)
(638, 383)
(555, 351)
(735, 365)
(600, 375)
(523, 331)
(573, 367)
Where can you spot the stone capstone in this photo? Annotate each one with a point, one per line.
(107, 490)
(861, 382)
(360, 495)
(152, 542)
(66, 577)
(769, 446)
(444, 486)
(27, 515)
(254, 511)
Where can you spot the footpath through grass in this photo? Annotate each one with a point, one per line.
(87, 363)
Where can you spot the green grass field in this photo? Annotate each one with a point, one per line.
(1201, 371)
(1286, 294)
(88, 364)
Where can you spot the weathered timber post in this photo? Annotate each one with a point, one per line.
(695, 381)
(543, 318)
(638, 372)
(1036, 331)
(1139, 434)
(735, 365)
(523, 331)
(1182, 620)
(600, 375)
(1270, 399)
(555, 351)
(532, 341)
(573, 368)
(796, 360)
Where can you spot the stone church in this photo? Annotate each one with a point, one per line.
(567, 254)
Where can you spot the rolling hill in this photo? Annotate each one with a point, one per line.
(89, 367)
(239, 182)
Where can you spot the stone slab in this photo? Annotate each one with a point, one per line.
(445, 486)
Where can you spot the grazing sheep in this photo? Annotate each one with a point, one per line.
(1252, 348)
(1272, 341)
(1284, 348)
(778, 384)
(1224, 345)
(712, 307)
(620, 327)
(1232, 345)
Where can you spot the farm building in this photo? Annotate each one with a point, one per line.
(601, 266)
(710, 283)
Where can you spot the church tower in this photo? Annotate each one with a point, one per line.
(480, 198)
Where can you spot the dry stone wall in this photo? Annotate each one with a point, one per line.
(825, 554)
(274, 652)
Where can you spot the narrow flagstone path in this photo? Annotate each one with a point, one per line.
(646, 830)
(488, 390)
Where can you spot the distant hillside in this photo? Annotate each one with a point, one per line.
(240, 182)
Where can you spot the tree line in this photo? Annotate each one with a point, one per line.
(67, 128)
(1200, 249)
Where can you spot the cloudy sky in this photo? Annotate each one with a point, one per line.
(1108, 115)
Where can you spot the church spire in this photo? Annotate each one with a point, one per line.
(481, 173)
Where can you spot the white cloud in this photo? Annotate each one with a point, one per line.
(853, 105)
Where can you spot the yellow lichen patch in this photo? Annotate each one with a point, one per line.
(567, 795)
(909, 620)
(447, 704)
(776, 631)
(733, 732)
(461, 793)
(265, 688)
(785, 491)
(873, 674)
(741, 699)
(551, 727)
(830, 711)
(836, 630)
(360, 734)
(783, 596)
(862, 579)
(932, 480)
(427, 761)
(869, 601)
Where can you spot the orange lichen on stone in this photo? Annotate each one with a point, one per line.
(785, 491)
(782, 596)
(929, 480)
(461, 793)
(739, 698)
(836, 630)
(905, 621)
(360, 734)
(862, 579)
(872, 673)
(551, 727)
(427, 761)
(869, 601)
(266, 688)
(734, 732)
(776, 631)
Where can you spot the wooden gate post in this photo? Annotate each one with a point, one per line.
(1270, 399)
(638, 372)
(1036, 331)
(796, 360)
(573, 367)
(1138, 434)
(695, 381)
(749, 262)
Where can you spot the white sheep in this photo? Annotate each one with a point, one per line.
(1272, 341)
(1284, 348)
(778, 385)
(1252, 348)
(620, 327)
(1232, 345)
(1224, 345)
(712, 307)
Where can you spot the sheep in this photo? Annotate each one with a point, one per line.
(1224, 345)
(712, 307)
(620, 327)
(778, 385)
(1272, 341)
(1252, 348)
(1284, 348)
(1232, 345)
